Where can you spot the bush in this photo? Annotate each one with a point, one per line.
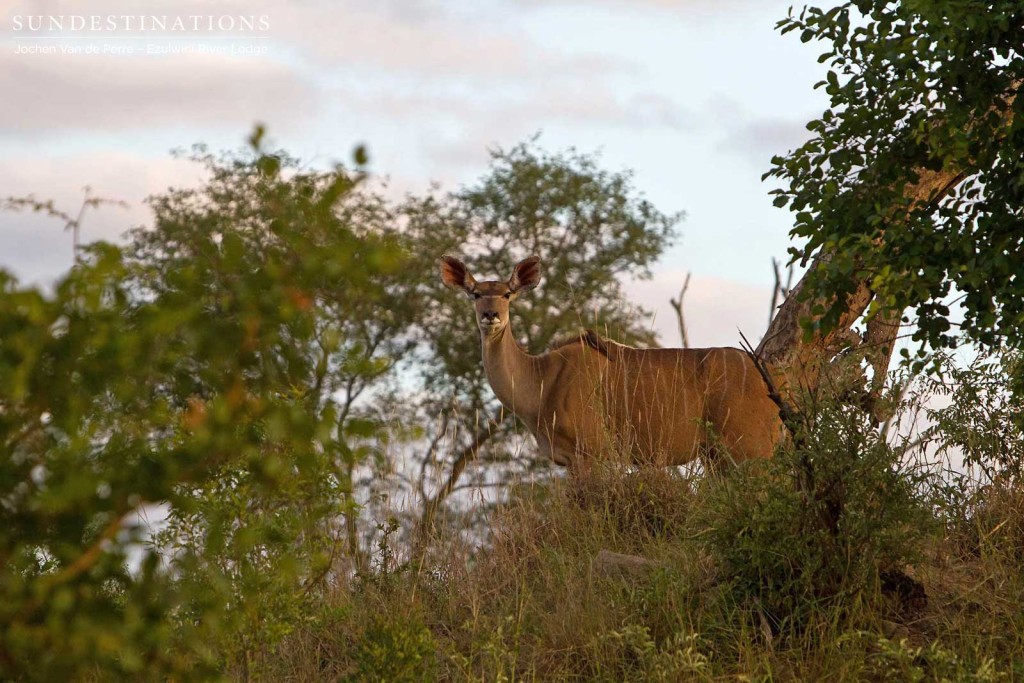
(983, 423)
(631, 654)
(890, 660)
(192, 368)
(817, 528)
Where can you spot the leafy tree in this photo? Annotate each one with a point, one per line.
(590, 228)
(910, 190)
(362, 305)
(195, 370)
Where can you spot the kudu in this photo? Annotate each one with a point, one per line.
(591, 398)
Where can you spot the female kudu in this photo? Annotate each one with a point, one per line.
(596, 399)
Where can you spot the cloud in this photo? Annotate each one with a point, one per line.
(460, 57)
(693, 8)
(430, 40)
(759, 140)
(90, 93)
(583, 102)
(462, 130)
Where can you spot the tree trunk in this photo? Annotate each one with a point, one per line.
(796, 363)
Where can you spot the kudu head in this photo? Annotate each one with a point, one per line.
(492, 297)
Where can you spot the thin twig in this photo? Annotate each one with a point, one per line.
(786, 413)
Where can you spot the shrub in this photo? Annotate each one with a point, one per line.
(983, 421)
(631, 654)
(817, 527)
(890, 660)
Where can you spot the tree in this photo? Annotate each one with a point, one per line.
(363, 305)
(911, 190)
(590, 228)
(193, 370)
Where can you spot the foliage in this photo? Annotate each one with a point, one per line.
(395, 650)
(230, 367)
(817, 526)
(644, 660)
(902, 661)
(177, 373)
(739, 586)
(332, 247)
(982, 423)
(915, 88)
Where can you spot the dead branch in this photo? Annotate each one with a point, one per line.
(465, 456)
(779, 291)
(786, 412)
(677, 304)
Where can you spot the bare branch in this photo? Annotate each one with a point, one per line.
(677, 304)
(465, 456)
(780, 291)
(786, 412)
(71, 223)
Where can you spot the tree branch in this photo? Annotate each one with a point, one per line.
(791, 354)
(465, 456)
(677, 304)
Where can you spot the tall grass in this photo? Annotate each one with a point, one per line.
(748, 576)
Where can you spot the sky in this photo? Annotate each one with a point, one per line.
(693, 96)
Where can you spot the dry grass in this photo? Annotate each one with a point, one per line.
(532, 605)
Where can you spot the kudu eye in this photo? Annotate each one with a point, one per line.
(508, 295)
(476, 295)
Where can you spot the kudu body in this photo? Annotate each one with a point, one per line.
(595, 399)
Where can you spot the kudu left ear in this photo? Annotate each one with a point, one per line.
(526, 275)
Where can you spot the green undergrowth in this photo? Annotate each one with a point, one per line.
(836, 563)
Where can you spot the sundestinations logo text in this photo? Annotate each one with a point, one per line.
(139, 23)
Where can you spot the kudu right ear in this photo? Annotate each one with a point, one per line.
(455, 275)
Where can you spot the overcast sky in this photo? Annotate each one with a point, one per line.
(695, 96)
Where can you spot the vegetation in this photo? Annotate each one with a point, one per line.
(897, 579)
(919, 91)
(272, 367)
(258, 363)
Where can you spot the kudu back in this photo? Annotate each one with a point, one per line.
(592, 398)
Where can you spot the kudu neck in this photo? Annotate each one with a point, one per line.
(515, 375)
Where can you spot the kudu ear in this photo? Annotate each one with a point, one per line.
(455, 275)
(526, 275)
